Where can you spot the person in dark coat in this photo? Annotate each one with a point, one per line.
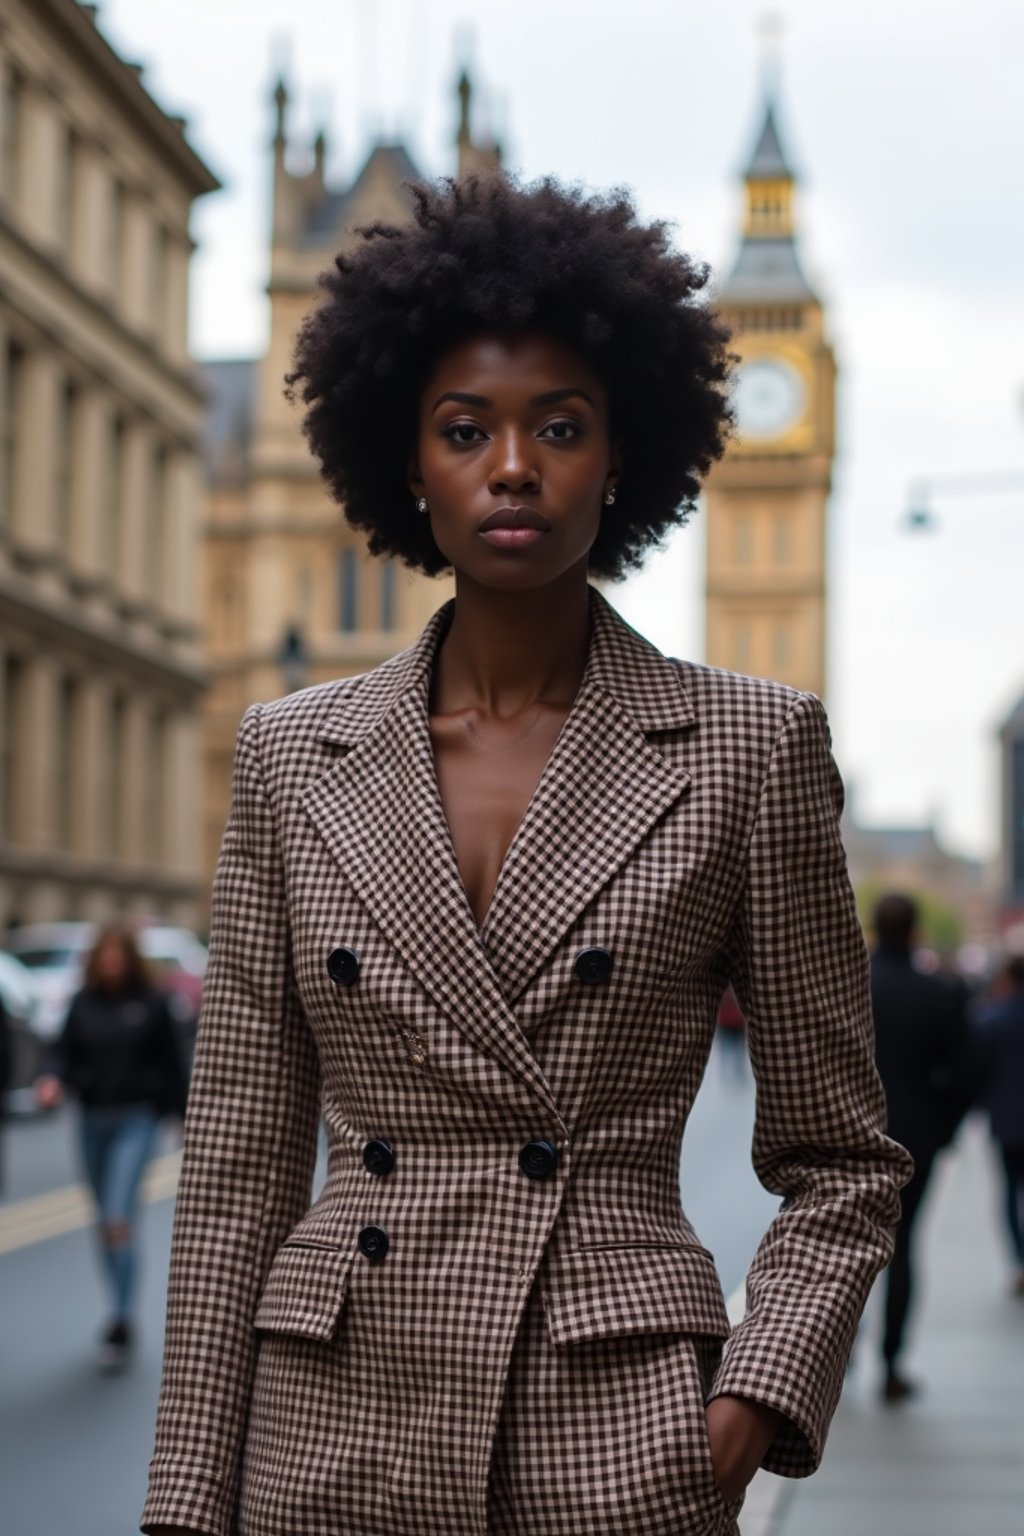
(1000, 1035)
(923, 1053)
(118, 1055)
(5, 1077)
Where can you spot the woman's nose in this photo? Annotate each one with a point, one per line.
(513, 465)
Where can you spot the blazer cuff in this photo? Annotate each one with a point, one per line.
(806, 1411)
(188, 1497)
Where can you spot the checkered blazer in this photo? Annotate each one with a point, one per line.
(687, 825)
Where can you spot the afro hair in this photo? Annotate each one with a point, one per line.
(488, 255)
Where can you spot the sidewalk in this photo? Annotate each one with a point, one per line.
(950, 1462)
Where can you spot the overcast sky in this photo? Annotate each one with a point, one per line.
(906, 121)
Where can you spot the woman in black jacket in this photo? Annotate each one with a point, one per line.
(118, 1055)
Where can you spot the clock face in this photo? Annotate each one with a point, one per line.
(769, 397)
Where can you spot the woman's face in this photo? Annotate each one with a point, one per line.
(111, 963)
(514, 458)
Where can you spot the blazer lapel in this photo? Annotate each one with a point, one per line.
(379, 811)
(603, 790)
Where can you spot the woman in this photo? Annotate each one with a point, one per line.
(118, 1055)
(479, 907)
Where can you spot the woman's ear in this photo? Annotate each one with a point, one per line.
(414, 479)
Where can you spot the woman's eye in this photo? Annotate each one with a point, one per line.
(463, 432)
(561, 431)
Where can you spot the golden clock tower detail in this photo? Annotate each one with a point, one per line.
(767, 500)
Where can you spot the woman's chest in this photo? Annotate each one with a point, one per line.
(485, 789)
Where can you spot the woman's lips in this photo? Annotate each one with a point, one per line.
(513, 527)
(512, 538)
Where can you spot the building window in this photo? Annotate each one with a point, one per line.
(155, 552)
(741, 645)
(156, 788)
(743, 538)
(12, 359)
(304, 593)
(65, 186)
(781, 539)
(780, 646)
(158, 269)
(10, 127)
(225, 625)
(116, 239)
(348, 591)
(67, 759)
(387, 595)
(10, 737)
(64, 467)
(115, 493)
(116, 779)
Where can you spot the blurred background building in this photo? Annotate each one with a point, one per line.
(767, 501)
(100, 474)
(290, 595)
(168, 553)
(955, 894)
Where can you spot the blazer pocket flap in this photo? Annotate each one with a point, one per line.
(592, 1293)
(304, 1292)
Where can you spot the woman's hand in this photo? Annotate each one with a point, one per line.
(49, 1091)
(739, 1433)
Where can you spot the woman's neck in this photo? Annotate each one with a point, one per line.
(507, 650)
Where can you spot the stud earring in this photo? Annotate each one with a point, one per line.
(609, 496)
(422, 504)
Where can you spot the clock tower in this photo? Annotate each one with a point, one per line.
(768, 498)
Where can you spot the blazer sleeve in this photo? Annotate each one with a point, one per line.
(800, 970)
(250, 1148)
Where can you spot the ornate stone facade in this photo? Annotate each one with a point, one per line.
(289, 594)
(100, 477)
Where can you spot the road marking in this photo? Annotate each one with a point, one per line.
(68, 1209)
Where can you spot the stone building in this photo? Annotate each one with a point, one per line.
(100, 475)
(767, 500)
(289, 595)
(914, 859)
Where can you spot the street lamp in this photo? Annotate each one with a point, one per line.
(293, 658)
(919, 518)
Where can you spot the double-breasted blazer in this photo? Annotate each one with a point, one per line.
(504, 1109)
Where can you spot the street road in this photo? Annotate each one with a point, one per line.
(74, 1445)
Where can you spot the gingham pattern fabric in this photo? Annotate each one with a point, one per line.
(518, 1329)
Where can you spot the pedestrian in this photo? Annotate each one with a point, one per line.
(118, 1056)
(478, 906)
(1000, 1036)
(6, 1072)
(922, 1048)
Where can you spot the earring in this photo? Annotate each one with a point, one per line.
(422, 505)
(609, 496)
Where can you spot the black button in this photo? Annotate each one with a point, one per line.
(538, 1159)
(593, 965)
(343, 966)
(373, 1244)
(378, 1157)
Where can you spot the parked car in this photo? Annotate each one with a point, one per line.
(54, 953)
(18, 996)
